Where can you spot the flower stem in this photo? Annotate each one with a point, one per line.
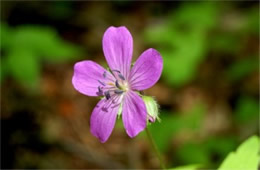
(155, 148)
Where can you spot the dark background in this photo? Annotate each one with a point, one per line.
(208, 93)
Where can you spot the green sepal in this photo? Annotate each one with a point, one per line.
(152, 108)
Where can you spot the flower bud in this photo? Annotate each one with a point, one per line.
(152, 108)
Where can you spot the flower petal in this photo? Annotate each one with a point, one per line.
(118, 49)
(103, 119)
(147, 70)
(134, 114)
(87, 75)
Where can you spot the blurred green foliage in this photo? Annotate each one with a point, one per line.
(242, 68)
(187, 167)
(185, 38)
(182, 40)
(197, 152)
(200, 152)
(190, 122)
(172, 124)
(247, 109)
(25, 47)
(246, 157)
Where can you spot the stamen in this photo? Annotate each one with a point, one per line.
(117, 84)
(99, 89)
(121, 76)
(117, 91)
(116, 71)
(102, 83)
(108, 88)
(105, 74)
(117, 99)
(115, 105)
(109, 102)
(107, 95)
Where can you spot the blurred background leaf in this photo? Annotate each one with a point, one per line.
(182, 40)
(187, 167)
(243, 68)
(25, 47)
(247, 109)
(23, 66)
(171, 124)
(44, 42)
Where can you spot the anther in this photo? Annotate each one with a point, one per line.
(117, 91)
(105, 74)
(107, 95)
(99, 89)
(121, 76)
(116, 71)
(102, 83)
(117, 84)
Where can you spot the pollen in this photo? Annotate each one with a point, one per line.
(110, 83)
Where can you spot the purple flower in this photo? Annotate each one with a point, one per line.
(119, 85)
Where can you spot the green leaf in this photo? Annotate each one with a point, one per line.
(245, 158)
(182, 40)
(200, 15)
(251, 24)
(24, 66)
(5, 36)
(3, 69)
(247, 109)
(242, 68)
(25, 47)
(163, 131)
(227, 42)
(44, 42)
(187, 167)
(221, 145)
(193, 153)
(171, 124)
(161, 34)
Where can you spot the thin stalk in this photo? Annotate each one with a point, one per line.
(155, 148)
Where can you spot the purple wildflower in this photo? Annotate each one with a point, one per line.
(120, 85)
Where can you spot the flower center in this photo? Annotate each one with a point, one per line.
(110, 88)
(124, 86)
